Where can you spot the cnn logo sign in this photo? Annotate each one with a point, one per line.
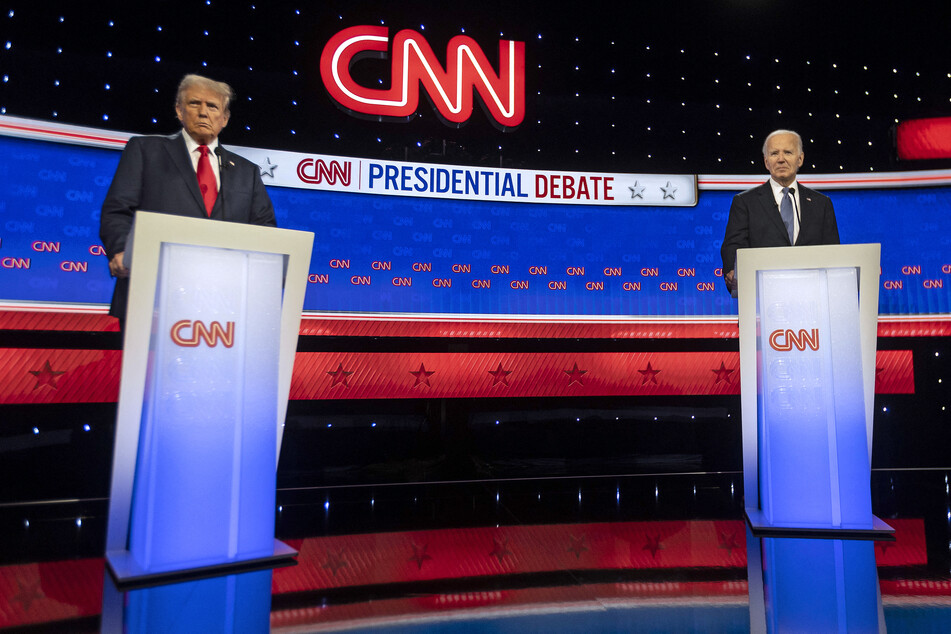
(785, 340)
(189, 334)
(451, 88)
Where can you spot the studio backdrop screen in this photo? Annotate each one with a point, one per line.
(429, 255)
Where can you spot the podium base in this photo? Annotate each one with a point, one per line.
(127, 574)
(760, 527)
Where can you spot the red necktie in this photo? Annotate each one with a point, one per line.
(206, 180)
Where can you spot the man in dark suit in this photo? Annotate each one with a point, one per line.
(187, 174)
(780, 212)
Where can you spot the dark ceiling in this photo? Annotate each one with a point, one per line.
(686, 87)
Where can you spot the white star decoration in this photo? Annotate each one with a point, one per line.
(268, 169)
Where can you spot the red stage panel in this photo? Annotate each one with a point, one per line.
(94, 318)
(30, 375)
(335, 375)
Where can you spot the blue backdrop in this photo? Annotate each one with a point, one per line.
(403, 254)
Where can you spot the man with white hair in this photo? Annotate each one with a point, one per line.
(780, 212)
(187, 173)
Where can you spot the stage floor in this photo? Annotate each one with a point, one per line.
(659, 553)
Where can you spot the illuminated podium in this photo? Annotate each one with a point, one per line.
(808, 328)
(211, 333)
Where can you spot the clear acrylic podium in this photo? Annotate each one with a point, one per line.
(808, 328)
(211, 332)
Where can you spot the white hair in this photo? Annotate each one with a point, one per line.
(776, 132)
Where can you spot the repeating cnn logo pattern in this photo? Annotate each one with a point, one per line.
(189, 334)
(414, 63)
(784, 340)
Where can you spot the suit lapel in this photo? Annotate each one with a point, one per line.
(227, 175)
(806, 210)
(178, 152)
(768, 204)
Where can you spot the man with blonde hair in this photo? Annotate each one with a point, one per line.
(187, 173)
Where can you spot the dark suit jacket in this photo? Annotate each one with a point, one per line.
(155, 173)
(755, 222)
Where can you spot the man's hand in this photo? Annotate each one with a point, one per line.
(117, 267)
(729, 278)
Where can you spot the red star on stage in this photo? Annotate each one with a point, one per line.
(419, 555)
(577, 545)
(653, 545)
(728, 541)
(335, 561)
(650, 375)
(46, 376)
(339, 376)
(723, 374)
(28, 594)
(575, 375)
(422, 376)
(500, 550)
(500, 376)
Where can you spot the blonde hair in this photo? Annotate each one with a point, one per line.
(220, 88)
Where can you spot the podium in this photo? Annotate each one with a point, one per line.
(808, 328)
(211, 332)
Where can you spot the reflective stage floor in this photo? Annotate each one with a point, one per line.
(651, 553)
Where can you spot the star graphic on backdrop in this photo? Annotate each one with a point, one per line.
(500, 549)
(723, 374)
(575, 374)
(28, 594)
(653, 545)
(637, 191)
(339, 376)
(268, 168)
(335, 561)
(650, 375)
(878, 371)
(883, 546)
(669, 191)
(422, 376)
(46, 376)
(500, 376)
(419, 556)
(577, 545)
(728, 541)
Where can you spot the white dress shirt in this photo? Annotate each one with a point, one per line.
(778, 196)
(195, 154)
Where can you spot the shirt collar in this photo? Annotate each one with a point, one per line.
(192, 144)
(778, 189)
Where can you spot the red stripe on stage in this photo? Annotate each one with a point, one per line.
(86, 318)
(36, 376)
(499, 327)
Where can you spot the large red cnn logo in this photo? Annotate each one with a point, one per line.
(785, 340)
(414, 63)
(189, 334)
